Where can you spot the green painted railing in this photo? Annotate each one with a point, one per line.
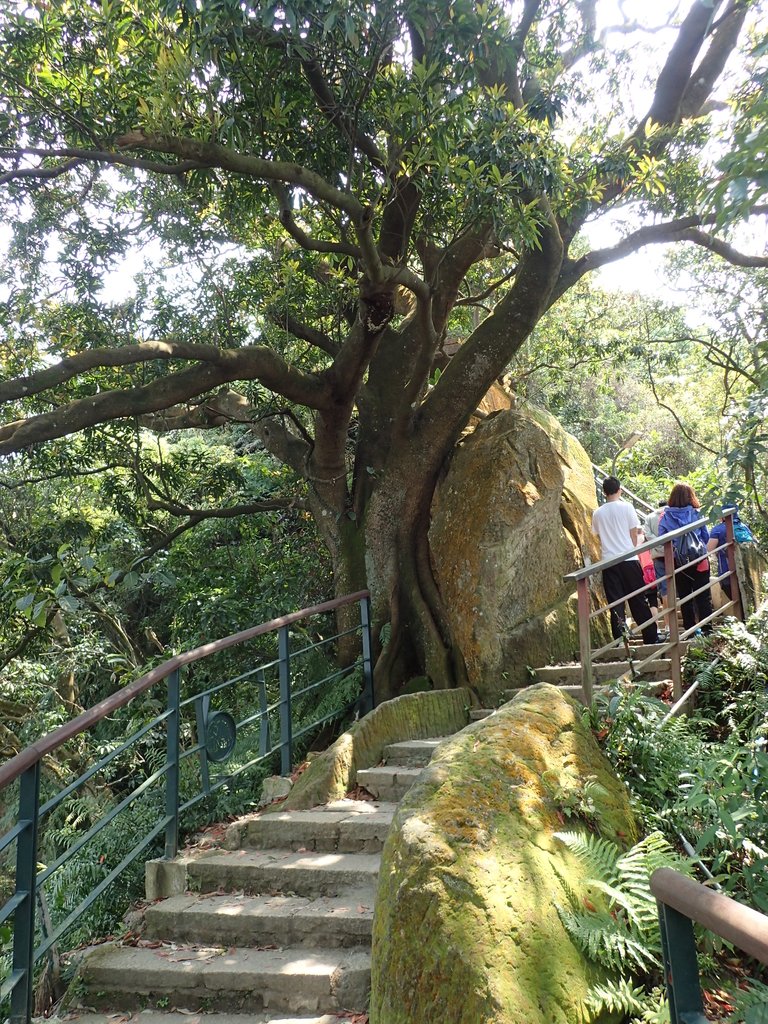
(681, 902)
(252, 720)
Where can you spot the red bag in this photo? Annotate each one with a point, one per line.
(646, 562)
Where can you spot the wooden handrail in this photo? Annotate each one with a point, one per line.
(13, 768)
(741, 925)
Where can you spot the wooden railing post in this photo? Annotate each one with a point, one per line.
(682, 901)
(585, 640)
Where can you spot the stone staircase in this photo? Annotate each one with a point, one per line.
(273, 924)
(608, 667)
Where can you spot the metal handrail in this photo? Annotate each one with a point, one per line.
(587, 613)
(85, 721)
(600, 474)
(212, 736)
(681, 901)
(654, 542)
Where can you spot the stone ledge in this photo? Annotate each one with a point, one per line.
(412, 716)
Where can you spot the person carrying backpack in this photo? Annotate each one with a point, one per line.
(717, 537)
(682, 509)
(617, 526)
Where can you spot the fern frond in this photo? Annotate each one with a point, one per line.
(750, 1005)
(616, 997)
(608, 940)
(599, 856)
(655, 1009)
(618, 898)
(639, 863)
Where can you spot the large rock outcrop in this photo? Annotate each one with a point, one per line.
(510, 519)
(466, 928)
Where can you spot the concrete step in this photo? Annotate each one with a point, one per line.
(411, 753)
(362, 828)
(236, 919)
(639, 652)
(262, 872)
(199, 978)
(651, 688)
(388, 782)
(602, 671)
(476, 714)
(76, 1016)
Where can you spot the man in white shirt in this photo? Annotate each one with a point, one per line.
(617, 526)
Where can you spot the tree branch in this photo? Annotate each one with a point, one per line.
(306, 241)
(40, 173)
(303, 331)
(209, 154)
(284, 444)
(474, 300)
(530, 10)
(675, 76)
(336, 116)
(232, 512)
(685, 229)
(720, 248)
(197, 517)
(675, 417)
(227, 406)
(256, 363)
(73, 366)
(76, 157)
(713, 354)
(72, 474)
(713, 63)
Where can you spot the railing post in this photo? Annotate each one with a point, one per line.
(671, 617)
(172, 764)
(24, 915)
(681, 967)
(730, 552)
(585, 641)
(369, 700)
(265, 740)
(286, 727)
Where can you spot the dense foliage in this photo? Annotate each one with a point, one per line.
(335, 202)
(699, 781)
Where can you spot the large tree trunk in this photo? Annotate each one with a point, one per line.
(411, 633)
(381, 537)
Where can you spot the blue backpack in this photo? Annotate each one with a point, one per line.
(742, 533)
(688, 548)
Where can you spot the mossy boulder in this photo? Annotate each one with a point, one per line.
(466, 927)
(511, 518)
(413, 716)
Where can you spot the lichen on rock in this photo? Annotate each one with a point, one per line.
(466, 928)
(511, 518)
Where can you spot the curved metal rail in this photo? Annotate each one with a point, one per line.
(184, 747)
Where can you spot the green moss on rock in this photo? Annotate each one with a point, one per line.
(409, 717)
(466, 928)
